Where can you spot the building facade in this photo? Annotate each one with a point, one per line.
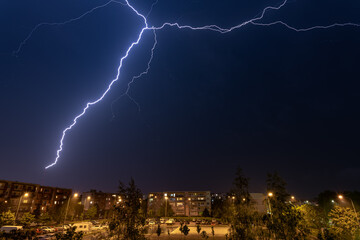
(104, 202)
(183, 203)
(28, 197)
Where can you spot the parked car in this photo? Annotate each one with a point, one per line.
(162, 220)
(151, 223)
(46, 229)
(83, 226)
(9, 228)
(47, 237)
(170, 221)
(96, 228)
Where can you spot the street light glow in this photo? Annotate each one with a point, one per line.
(76, 195)
(270, 194)
(341, 197)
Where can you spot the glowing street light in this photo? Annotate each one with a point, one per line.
(67, 208)
(341, 197)
(270, 195)
(166, 198)
(20, 200)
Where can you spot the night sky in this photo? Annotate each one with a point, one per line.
(262, 98)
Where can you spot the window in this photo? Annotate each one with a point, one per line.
(25, 201)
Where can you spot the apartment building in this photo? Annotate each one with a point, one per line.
(103, 201)
(183, 203)
(27, 197)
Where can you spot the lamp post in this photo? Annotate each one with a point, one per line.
(270, 194)
(341, 197)
(67, 208)
(166, 198)
(18, 207)
(189, 207)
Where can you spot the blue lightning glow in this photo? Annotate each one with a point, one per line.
(255, 21)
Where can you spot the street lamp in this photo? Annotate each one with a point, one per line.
(341, 197)
(17, 210)
(166, 198)
(189, 207)
(270, 195)
(67, 208)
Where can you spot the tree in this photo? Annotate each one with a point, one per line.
(285, 218)
(27, 219)
(3, 207)
(185, 230)
(158, 230)
(91, 213)
(206, 213)
(239, 208)
(240, 188)
(57, 213)
(204, 235)
(326, 201)
(169, 211)
(7, 218)
(198, 228)
(344, 223)
(313, 220)
(129, 220)
(277, 186)
(45, 218)
(218, 208)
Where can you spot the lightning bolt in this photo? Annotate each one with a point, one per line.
(254, 21)
(151, 8)
(126, 93)
(18, 50)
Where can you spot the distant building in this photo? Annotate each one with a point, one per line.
(259, 200)
(183, 203)
(33, 196)
(103, 201)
